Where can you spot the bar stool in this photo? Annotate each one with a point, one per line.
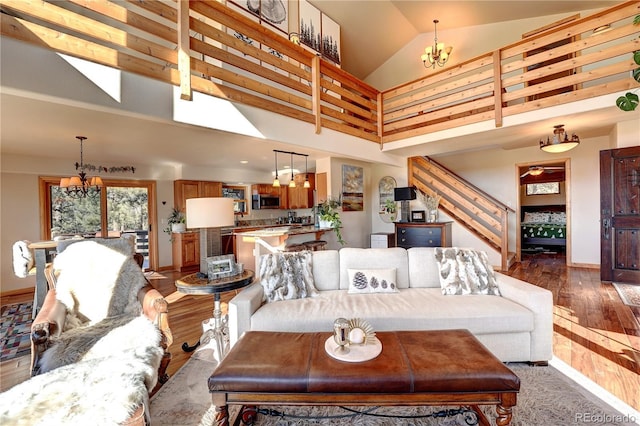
(295, 247)
(315, 245)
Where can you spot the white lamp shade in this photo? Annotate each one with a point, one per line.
(209, 212)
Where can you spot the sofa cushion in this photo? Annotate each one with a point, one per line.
(402, 311)
(372, 280)
(376, 258)
(286, 276)
(423, 268)
(326, 269)
(465, 271)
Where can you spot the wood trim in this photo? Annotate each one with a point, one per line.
(315, 92)
(497, 89)
(184, 59)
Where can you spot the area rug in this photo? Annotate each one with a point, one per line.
(15, 330)
(629, 293)
(547, 397)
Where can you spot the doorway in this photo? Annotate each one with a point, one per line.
(543, 216)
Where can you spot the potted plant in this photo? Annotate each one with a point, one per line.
(175, 221)
(630, 101)
(329, 216)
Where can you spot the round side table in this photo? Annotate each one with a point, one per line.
(193, 284)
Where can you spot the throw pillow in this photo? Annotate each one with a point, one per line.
(372, 280)
(536, 217)
(286, 276)
(465, 271)
(559, 218)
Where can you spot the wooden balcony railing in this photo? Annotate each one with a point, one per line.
(563, 64)
(210, 48)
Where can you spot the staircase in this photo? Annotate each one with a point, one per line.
(480, 213)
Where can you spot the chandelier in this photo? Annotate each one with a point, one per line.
(560, 141)
(437, 54)
(82, 185)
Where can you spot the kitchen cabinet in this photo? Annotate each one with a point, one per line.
(186, 251)
(301, 197)
(411, 234)
(185, 189)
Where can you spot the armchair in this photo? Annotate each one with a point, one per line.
(101, 326)
(51, 321)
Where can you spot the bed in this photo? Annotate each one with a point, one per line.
(543, 226)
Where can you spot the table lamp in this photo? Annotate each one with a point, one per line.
(209, 214)
(404, 195)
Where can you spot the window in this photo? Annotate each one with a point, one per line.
(543, 188)
(121, 207)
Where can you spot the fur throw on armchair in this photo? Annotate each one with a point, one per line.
(105, 387)
(97, 282)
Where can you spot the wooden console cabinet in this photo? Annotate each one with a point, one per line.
(412, 234)
(186, 251)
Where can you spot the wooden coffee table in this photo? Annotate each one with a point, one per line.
(444, 367)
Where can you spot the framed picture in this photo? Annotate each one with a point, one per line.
(417, 216)
(220, 266)
(330, 39)
(543, 188)
(352, 188)
(310, 22)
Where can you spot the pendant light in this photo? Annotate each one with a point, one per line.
(306, 174)
(292, 183)
(276, 181)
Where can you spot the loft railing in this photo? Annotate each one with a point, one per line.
(563, 64)
(479, 212)
(210, 48)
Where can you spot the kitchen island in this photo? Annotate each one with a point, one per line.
(250, 245)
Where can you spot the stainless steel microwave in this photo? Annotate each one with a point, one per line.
(265, 201)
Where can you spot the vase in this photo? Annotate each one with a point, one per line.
(325, 223)
(432, 215)
(178, 227)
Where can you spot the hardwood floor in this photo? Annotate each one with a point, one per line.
(594, 332)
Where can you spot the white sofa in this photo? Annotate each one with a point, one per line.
(516, 326)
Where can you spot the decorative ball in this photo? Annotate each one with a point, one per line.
(356, 336)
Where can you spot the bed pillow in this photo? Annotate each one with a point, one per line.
(536, 217)
(558, 218)
(286, 276)
(372, 280)
(465, 271)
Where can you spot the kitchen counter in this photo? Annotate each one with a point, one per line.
(251, 244)
(280, 231)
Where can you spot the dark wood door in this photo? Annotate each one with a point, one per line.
(620, 215)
